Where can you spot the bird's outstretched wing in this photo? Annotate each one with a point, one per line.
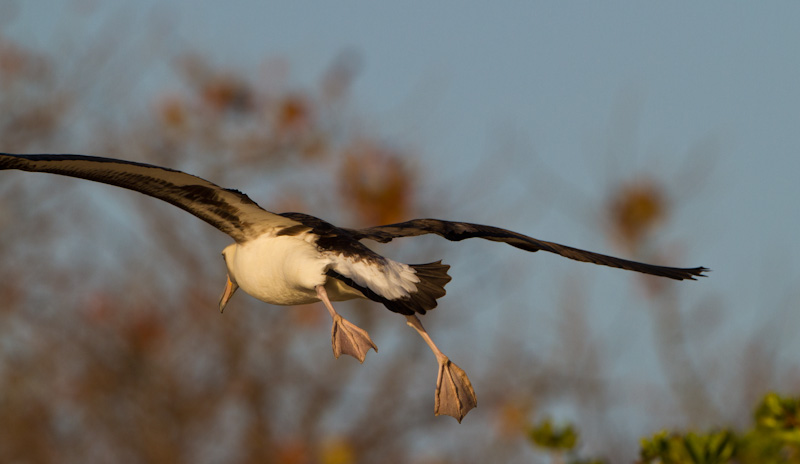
(228, 210)
(457, 231)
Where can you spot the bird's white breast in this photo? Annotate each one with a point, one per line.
(281, 270)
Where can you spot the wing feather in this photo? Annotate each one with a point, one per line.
(457, 231)
(228, 210)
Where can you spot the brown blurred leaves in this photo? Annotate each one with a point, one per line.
(635, 209)
(376, 182)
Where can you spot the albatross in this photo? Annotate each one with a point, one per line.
(295, 258)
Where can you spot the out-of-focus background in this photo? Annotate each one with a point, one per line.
(666, 133)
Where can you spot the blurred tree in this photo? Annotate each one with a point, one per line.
(111, 349)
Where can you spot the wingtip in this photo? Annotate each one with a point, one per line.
(692, 273)
(701, 270)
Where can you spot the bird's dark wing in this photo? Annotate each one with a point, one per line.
(329, 237)
(228, 210)
(457, 231)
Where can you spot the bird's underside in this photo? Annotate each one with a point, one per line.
(359, 269)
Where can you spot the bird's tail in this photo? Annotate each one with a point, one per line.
(432, 279)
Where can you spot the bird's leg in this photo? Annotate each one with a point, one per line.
(346, 337)
(454, 394)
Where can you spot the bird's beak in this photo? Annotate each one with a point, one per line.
(230, 289)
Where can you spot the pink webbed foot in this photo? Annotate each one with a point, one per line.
(347, 338)
(454, 394)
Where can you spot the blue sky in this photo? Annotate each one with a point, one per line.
(596, 90)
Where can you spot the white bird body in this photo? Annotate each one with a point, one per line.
(283, 270)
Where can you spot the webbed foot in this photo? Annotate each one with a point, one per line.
(454, 394)
(347, 338)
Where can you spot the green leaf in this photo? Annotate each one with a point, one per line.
(548, 436)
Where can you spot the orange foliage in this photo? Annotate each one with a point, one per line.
(144, 331)
(337, 452)
(226, 93)
(512, 419)
(292, 452)
(377, 183)
(293, 114)
(636, 208)
(16, 62)
(173, 112)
